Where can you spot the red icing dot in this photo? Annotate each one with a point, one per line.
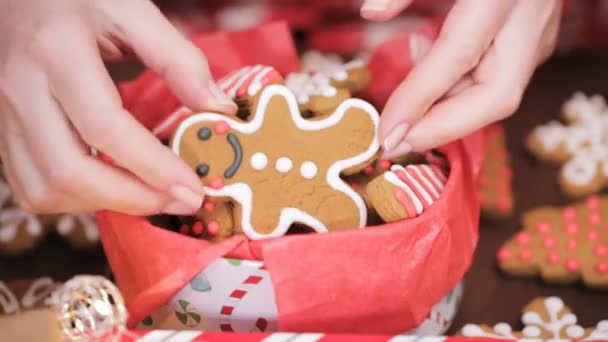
(572, 265)
(593, 202)
(385, 164)
(217, 183)
(221, 127)
(571, 244)
(600, 250)
(601, 267)
(368, 170)
(569, 213)
(504, 254)
(593, 235)
(553, 258)
(543, 227)
(209, 206)
(594, 218)
(184, 229)
(525, 255)
(213, 227)
(523, 238)
(197, 228)
(549, 242)
(572, 229)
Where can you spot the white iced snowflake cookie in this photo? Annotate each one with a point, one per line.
(546, 319)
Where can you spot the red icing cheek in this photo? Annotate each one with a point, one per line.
(216, 183)
(221, 127)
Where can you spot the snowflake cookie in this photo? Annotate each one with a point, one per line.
(545, 319)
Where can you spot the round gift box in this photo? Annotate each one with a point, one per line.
(234, 295)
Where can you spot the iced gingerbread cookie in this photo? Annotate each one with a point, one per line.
(494, 182)
(544, 319)
(79, 230)
(315, 94)
(353, 75)
(580, 145)
(561, 245)
(280, 168)
(214, 221)
(241, 85)
(405, 192)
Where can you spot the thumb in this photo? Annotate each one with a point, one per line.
(162, 48)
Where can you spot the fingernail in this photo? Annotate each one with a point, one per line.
(374, 5)
(395, 136)
(178, 208)
(187, 197)
(219, 96)
(402, 149)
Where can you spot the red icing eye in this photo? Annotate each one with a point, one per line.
(221, 127)
(217, 183)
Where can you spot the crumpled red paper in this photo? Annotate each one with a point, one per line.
(381, 279)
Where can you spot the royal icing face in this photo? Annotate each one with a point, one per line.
(278, 167)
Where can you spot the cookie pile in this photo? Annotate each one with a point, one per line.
(302, 156)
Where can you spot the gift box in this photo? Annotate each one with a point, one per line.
(384, 279)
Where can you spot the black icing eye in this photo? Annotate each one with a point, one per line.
(202, 170)
(204, 133)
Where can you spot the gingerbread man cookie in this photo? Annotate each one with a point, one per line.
(494, 182)
(580, 146)
(353, 75)
(280, 168)
(561, 245)
(405, 192)
(545, 319)
(315, 94)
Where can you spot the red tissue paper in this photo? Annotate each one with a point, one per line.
(358, 281)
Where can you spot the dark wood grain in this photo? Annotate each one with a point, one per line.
(489, 296)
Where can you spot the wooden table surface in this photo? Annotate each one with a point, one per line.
(489, 296)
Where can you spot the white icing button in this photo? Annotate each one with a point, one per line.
(259, 161)
(284, 164)
(308, 169)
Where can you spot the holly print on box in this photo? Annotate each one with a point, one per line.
(545, 319)
(494, 182)
(562, 244)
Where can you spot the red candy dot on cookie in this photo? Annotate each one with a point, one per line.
(504, 254)
(571, 244)
(593, 202)
(525, 255)
(221, 127)
(600, 250)
(209, 207)
(217, 183)
(572, 229)
(184, 229)
(543, 227)
(553, 258)
(594, 218)
(197, 228)
(593, 235)
(523, 238)
(368, 170)
(569, 213)
(385, 164)
(213, 227)
(601, 267)
(572, 265)
(549, 242)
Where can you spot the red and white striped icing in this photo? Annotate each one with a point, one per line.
(165, 128)
(417, 187)
(248, 80)
(237, 295)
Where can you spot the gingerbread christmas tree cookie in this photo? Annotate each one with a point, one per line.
(280, 168)
(561, 244)
(545, 319)
(494, 182)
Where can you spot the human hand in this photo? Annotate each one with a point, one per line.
(475, 73)
(57, 102)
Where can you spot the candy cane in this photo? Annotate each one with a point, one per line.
(237, 295)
